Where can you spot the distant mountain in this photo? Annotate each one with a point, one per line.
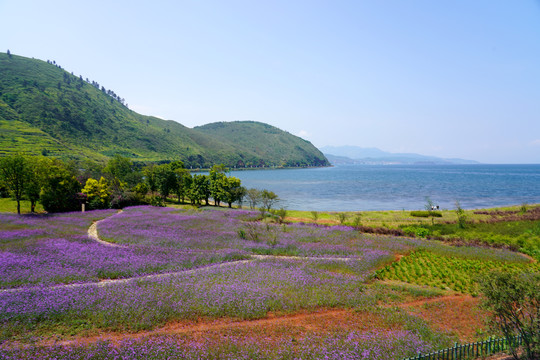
(46, 110)
(358, 155)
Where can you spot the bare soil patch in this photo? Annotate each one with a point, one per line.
(459, 314)
(273, 328)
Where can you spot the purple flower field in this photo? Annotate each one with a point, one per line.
(202, 266)
(379, 345)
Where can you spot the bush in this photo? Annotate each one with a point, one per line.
(425, 213)
(123, 198)
(342, 217)
(155, 201)
(416, 231)
(514, 302)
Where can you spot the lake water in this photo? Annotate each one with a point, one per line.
(398, 187)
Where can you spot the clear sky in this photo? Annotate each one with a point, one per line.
(444, 78)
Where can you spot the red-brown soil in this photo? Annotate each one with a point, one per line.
(458, 314)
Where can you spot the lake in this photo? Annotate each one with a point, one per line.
(398, 187)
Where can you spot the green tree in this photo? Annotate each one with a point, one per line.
(98, 193)
(342, 217)
(34, 183)
(430, 205)
(254, 197)
(166, 181)
(150, 177)
(231, 189)
(183, 180)
(513, 300)
(14, 173)
(199, 189)
(120, 168)
(268, 199)
(239, 194)
(218, 183)
(60, 191)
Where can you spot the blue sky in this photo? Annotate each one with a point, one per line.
(443, 78)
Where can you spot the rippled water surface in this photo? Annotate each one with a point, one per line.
(397, 187)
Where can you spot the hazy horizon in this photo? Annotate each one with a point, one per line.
(451, 80)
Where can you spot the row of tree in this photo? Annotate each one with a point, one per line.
(61, 186)
(50, 181)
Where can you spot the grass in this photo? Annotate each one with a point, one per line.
(516, 227)
(10, 206)
(392, 219)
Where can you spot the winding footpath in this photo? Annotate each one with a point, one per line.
(93, 234)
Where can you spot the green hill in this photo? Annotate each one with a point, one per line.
(265, 141)
(46, 110)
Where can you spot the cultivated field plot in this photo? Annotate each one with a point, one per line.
(217, 283)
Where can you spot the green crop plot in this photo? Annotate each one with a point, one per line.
(458, 274)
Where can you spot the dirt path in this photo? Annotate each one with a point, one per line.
(93, 234)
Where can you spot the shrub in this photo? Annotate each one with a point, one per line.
(156, 201)
(416, 231)
(514, 301)
(121, 199)
(342, 217)
(281, 214)
(357, 220)
(425, 213)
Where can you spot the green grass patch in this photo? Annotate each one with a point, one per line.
(10, 205)
(425, 213)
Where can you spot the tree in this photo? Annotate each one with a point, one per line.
(183, 180)
(514, 303)
(165, 178)
(218, 183)
(14, 173)
(268, 199)
(232, 190)
(254, 197)
(199, 189)
(121, 168)
(60, 191)
(429, 206)
(36, 176)
(98, 193)
(150, 177)
(240, 194)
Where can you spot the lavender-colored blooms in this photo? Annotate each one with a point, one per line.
(327, 267)
(67, 255)
(247, 290)
(380, 345)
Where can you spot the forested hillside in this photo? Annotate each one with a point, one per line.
(46, 110)
(265, 141)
